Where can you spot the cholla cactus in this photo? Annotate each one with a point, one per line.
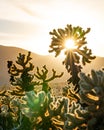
(88, 114)
(44, 111)
(20, 76)
(92, 93)
(76, 118)
(43, 78)
(71, 92)
(8, 111)
(73, 56)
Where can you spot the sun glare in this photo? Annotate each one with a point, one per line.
(37, 45)
(70, 44)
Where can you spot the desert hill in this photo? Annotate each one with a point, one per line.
(11, 53)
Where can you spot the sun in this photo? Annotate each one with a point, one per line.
(70, 44)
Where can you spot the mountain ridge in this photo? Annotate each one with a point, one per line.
(11, 53)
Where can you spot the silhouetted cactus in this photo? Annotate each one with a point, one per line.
(20, 76)
(43, 77)
(73, 56)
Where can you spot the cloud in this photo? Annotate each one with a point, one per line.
(19, 28)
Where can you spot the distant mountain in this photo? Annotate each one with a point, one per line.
(11, 53)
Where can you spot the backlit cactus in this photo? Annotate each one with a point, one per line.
(76, 118)
(21, 76)
(44, 110)
(73, 56)
(92, 94)
(43, 78)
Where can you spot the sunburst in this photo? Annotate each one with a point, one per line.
(73, 41)
(70, 44)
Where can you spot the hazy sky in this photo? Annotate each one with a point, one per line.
(27, 23)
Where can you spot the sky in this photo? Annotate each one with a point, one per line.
(27, 23)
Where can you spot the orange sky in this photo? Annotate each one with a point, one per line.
(27, 23)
